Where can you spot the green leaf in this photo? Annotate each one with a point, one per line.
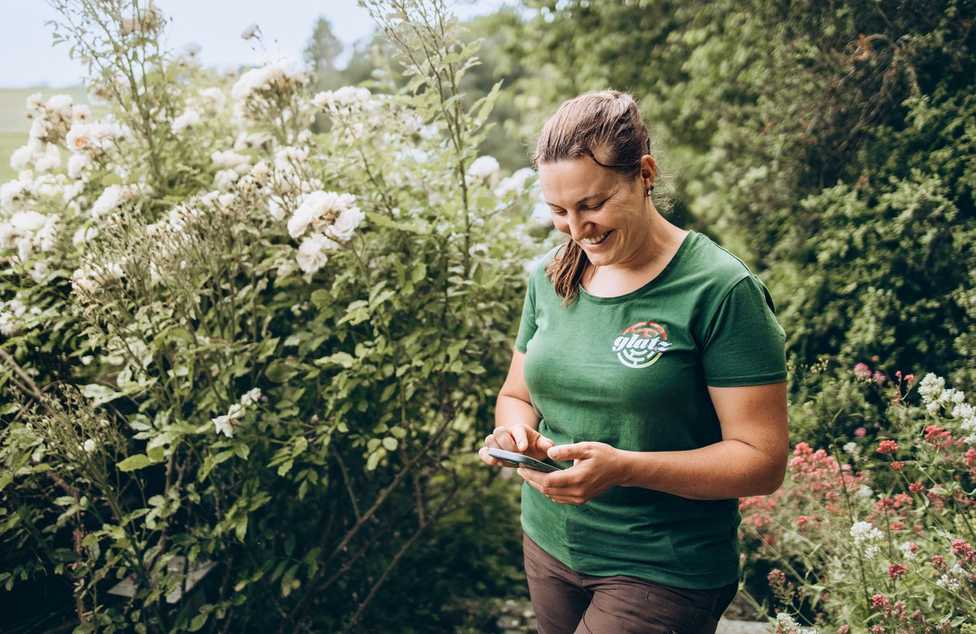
(197, 622)
(99, 393)
(240, 529)
(390, 443)
(343, 359)
(280, 371)
(321, 298)
(133, 463)
(418, 273)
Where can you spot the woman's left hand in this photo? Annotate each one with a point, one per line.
(596, 468)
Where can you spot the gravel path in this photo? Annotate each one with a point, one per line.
(725, 626)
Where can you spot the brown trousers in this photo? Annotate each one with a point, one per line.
(567, 602)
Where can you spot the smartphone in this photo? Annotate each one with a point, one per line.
(513, 459)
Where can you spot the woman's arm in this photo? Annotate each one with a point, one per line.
(749, 460)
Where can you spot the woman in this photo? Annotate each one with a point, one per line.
(650, 359)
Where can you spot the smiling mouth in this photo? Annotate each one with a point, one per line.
(596, 239)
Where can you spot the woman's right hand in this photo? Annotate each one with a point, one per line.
(519, 438)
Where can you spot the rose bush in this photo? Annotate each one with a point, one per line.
(245, 365)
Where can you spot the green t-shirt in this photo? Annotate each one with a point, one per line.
(631, 371)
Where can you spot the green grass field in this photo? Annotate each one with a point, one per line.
(14, 125)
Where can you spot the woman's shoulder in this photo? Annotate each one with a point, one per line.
(717, 263)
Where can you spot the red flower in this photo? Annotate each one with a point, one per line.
(897, 465)
(916, 487)
(879, 601)
(938, 436)
(896, 570)
(962, 550)
(887, 446)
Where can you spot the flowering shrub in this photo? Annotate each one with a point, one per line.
(240, 355)
(875, 532)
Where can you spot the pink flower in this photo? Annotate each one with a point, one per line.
(896, 570)
(916, 487)
(862, 371)
(860, 432)
(887, 446)
(897, 465)
(879, 601)
(909, 378)
(879, 377)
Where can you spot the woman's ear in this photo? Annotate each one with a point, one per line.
(648, 170)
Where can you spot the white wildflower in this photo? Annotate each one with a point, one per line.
(77, 163)
(80, 113)
(963, 411)
(864, 491)
(852, 449)
(213, 98)
(318, 208)
(483, 167)
(13, 192)
(347, 98)
(94, 137)
(188, 119)
(275, 209)
(251, 396)
(225, 179)
(864, 532)
(49, 160)
(83, 235)
(541, 214)
(11, 315)
(223, 425)
(514, 183)
(27, 222)
(110, 199)
(931, 387)
(89, 445)
(272, 76)
(948, 582)
(20, 158)
(229, 159)
(313, 252)
(344, 226)
(906, 551)
(287, 156)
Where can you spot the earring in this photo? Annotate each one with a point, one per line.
(649, 190)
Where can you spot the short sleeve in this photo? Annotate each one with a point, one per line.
(527, 323)
(744, 343)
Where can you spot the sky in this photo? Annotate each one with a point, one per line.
(28, 58)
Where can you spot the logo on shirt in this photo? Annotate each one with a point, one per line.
(641, 344)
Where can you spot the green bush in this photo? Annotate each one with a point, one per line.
(241, 355)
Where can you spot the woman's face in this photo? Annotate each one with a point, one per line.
(602, 211)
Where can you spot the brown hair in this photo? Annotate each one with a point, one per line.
(607, 121)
